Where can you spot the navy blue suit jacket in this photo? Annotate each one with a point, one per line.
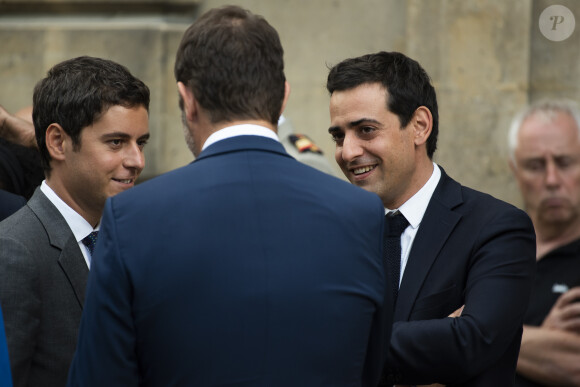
(5, 377)
(245, 268)
(472, 250)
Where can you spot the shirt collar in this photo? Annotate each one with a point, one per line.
(240, 130)
(414, 208)
(78, 225)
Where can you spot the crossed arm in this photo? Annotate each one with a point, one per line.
(550, 353)
(501, 264)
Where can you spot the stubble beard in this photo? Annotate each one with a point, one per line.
(187, 134)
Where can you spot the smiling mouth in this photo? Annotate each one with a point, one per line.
(361, 170)
(125, 181)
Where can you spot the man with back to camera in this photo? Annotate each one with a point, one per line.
(544, 142)
(91, 122)
(246, 267)
(458, 247)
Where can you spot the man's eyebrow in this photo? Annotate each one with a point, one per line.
(334, 129)
(123, 135)
(115, 135)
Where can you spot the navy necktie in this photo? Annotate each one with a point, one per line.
(395, 224)
(90, 241)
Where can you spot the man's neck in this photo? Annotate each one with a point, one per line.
(92, 217)
(422, 174)
(203, 132)
(552, 236)
(226, 124)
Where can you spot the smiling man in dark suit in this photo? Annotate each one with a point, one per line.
(91, 121)
(460, 247)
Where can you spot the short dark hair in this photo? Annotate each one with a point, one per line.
(232, 60)
(77, 92)
(408, 85)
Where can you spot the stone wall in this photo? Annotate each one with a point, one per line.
(487, 59)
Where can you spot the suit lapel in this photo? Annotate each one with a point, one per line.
(74, 266)
(436, 226)
(60, 235)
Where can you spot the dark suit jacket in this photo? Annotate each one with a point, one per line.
(472, 250)
(42, 281)
(10, 203)
(245, 268)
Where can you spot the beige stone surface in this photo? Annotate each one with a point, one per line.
(477, 53)
(146, 45)
(487, 59)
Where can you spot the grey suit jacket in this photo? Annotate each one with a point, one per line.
(43, 276)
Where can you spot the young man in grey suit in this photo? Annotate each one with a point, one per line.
(91, 122)
(458, 246)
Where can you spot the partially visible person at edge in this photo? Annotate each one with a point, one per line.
(544, 143)
(18, 127)
(20, 166)
(301, 147)
(5, 377)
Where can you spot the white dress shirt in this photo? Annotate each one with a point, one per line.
(240, 130)
(413, 210)
(79, 226)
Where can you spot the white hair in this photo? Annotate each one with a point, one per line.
(547, 108)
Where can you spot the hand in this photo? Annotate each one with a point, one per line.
(565, 314)
(16, 129)
(457, 313)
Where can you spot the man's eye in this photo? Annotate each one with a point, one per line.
(367, 129)
(337, 137)
(534, 165)
(115, 142)
(565, 162)
(142, 143)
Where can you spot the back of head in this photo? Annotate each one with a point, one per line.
(547, 108)
(77, 92)
(407, 83)
(232, 60)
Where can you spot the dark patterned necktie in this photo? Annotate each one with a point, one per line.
(90, 241)
(395, 224)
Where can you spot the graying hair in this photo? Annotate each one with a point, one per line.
(548, 108)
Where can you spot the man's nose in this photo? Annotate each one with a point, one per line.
(552, 174)
(134, 157)
(351, 147)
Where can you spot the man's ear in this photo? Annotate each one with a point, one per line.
(189, 102)
(56, 141)
(422, 124)
(286, 96)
